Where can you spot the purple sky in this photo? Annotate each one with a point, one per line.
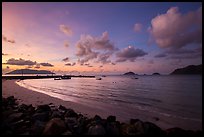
(101, 38)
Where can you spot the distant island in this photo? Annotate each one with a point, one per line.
(30, 71)
(129, 73)
(156, 73)
(191, 69)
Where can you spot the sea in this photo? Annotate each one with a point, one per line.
(166, 100)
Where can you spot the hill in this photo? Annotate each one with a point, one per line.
(191, 69)
(156, 73)
(30, 71)
(129, 73)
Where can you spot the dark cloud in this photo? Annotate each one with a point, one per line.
(20, 62)
(103, 58)
(70, 64)
(30, 67)
(65, 59)
(4, 38)
(130, 53)
(73, 64)
(99, 48)
(37, 66)
(46, 64)
(175, 30)
(160, 55)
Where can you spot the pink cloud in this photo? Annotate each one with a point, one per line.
(99, 48)
(176, 30)
(137, 27)
(129, 53)
(66, 30)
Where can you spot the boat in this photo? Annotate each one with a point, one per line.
(103, 76)
(57, 78)
(135, 78)
(65, 77)
(98, 78)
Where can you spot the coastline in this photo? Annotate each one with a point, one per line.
(27, 96)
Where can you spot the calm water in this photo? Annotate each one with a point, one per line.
(175, 100)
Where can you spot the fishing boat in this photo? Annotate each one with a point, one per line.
(99, 78)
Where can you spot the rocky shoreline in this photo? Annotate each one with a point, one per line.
(48, 119)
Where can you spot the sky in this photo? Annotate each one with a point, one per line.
(101, 37)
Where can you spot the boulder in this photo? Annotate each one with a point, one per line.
(71, 122)
(67, 133)
(180, 132)
(37, 128)
(56, 114)
(152, 129)
(133, 129)
(22, 108)
(70, 113)
(62, 108)
(15, 117)
(97, 118)
(111, 118)
(55, 126)
(42, 116)
(96, 130)
(43, 108)
(112, 129)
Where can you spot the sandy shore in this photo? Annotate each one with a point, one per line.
(26, 96)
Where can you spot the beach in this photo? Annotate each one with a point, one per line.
(26, 96)
(96, 124)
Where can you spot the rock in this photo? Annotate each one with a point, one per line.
(43, 108)
(133, 121)
(70, 113)
(37, 128)
(56, 114)
(22, 108)
(67, 133)
(152, 129)
(20, 130)
(179, 132)
(11, 100)
(71, 122)
(54, 127)
(6, 113)
(111, 118)
(15, 117)
(97, 118)
(133, 129)
(96, 130)
(112, 129)
(62, 108)
(139, 128)
(30, 109)
(19, 123)
(43, 116)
